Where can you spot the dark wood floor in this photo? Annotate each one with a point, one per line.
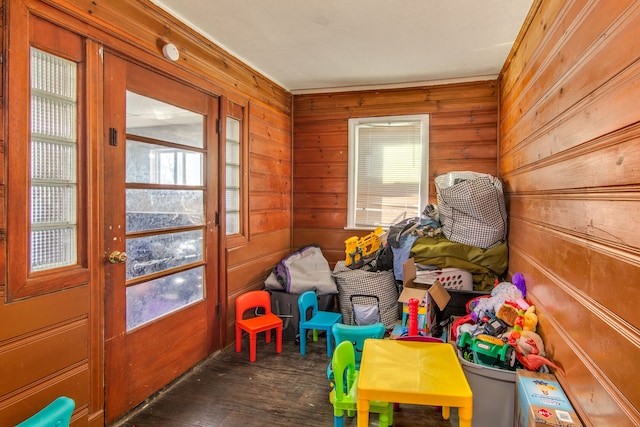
(286, 389)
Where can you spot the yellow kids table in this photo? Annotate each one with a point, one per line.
(412, 372)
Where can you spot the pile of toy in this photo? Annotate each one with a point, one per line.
(499, 330)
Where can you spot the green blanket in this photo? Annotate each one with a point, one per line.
(486, 265)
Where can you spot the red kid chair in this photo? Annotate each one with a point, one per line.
(260, 323)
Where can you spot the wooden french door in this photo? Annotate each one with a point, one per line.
(161, 239)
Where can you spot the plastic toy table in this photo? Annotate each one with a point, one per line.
(417, 373)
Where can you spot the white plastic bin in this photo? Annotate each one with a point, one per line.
(493, 394)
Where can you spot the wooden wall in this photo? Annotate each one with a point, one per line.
(564, 112)
(569, 153)
(53, 344)
(269, 231)
(463, 128)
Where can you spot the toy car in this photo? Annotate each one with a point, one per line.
(487, 350)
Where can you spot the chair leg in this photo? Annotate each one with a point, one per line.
(338, 421)
(315, 335)
(329, 344)
(279, 339)
(252, 346)
(267, 336)
(383, 419)
(303, 341)
(238, 340)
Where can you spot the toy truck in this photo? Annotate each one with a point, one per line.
(487, 350)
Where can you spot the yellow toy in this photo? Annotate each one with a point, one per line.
(358, 248)
(530, 319)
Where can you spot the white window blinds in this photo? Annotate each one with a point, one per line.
(388, 169)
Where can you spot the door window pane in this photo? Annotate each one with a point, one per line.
(148, 117)
(150, 300)
(153, 254)
(161, 209)
(156, 164)
(53, 161)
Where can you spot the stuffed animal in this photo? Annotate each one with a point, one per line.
(503, 291)
(530, 343)
(518, 281)
(530, 352)
(530, 319)
(508, 313)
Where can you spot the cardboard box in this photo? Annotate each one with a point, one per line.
(541, 401)
(430, 297)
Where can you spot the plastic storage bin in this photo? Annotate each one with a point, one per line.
(450, 278)
(493, 394)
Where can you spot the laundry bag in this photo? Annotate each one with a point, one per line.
(304, 270)
(472, 209)
(379, 284)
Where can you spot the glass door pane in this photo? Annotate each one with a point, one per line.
(164, 209)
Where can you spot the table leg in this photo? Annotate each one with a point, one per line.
(446, 411)
(464, 416)
(363, 413)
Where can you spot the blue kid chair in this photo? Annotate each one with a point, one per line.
(317, 320)
(344, 396)
(56, 414)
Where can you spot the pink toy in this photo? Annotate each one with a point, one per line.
(413, 316)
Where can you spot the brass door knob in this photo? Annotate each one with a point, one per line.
(117, 257)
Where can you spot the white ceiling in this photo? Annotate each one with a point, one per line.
(319, 45)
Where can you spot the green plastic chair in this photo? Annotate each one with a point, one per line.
(56, 414)
(344, 396)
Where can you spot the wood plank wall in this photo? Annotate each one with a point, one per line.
(52, 344)
(463, 136)
(569, 151)
(269, 234)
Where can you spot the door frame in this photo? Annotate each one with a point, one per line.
(117, 70)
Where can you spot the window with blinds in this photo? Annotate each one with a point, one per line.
(53, 161)
(388, 169)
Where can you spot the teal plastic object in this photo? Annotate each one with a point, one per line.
(318, 320)
(355, 334)
(56, 414)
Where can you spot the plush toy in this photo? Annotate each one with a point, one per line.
(508, 313)
(530, 351)
(518, 282)
(501, 292)
(530, 319)
(530, 343)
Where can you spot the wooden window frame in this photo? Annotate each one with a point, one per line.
(45, 36)
(238, 111)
